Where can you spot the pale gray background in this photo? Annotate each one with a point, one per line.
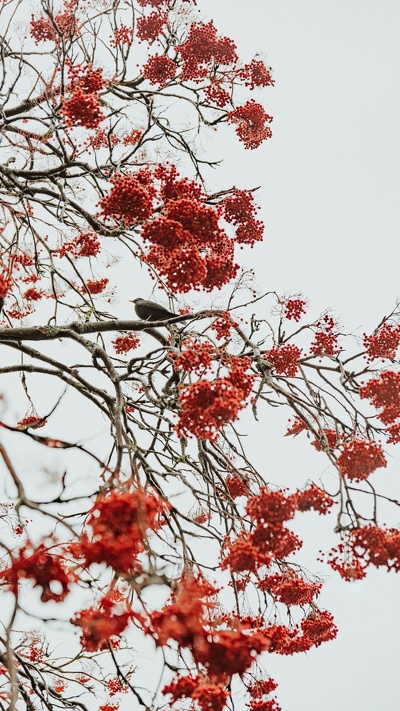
(330, 181)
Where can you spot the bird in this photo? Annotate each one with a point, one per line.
(150, 311)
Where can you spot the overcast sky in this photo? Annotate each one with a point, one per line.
(330, 181)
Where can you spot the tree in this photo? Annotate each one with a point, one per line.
(176, 539)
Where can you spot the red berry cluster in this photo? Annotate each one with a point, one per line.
(149, 28)
(240, 210)
(384, 343)
(216, 95)
(314, 498)
(130, 199)
(203, 51)
(207, 407)
(5, 284)
(95, 287)
(329, 439)
(256, 74)
(251, 124)
(159, 69)
(86, 244)
(123, 344)
(325, 339)
(359, 458)
(293, 309)
(195, 359)
(82, 109)
(284, 358)
(122, 35)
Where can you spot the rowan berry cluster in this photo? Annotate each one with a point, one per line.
(149, 28)
(118, 522)
(251, 124)
(256, 74)
(95, 287)
(314, 498)
(329, 439)
(289, 588)
(293, 309)
(203, 51)
(359, 458)
(103, 624)
(130, 200)
(240, 210)
(195, 358)
(122, 35)
(123, 344)
(85, 244)
(325, 339)
(208, 406)
(82, 109)
(384, 343)
(45, 566)
(284, 358)
(159, 69)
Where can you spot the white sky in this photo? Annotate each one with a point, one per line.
(330, 180)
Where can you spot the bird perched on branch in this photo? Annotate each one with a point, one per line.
(150, 311)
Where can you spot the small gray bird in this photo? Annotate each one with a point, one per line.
(150, 311)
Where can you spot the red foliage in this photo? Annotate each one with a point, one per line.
(251, 124)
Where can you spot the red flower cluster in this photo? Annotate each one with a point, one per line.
(149, 28)
(43, 567)
(203, 51)
(384, 343)
(314, 498)
(119, 521)
(359, 458)
(123, 344)
(251, 124)
(196, 359)
(86, 244)
(240, 210)
(206, 407)
(82, 109)
(159, 69)
(100, 624)
(325, 340)
(289, 588)
(284, 358)
(256, 74)
(293, 309)
(130, 199)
